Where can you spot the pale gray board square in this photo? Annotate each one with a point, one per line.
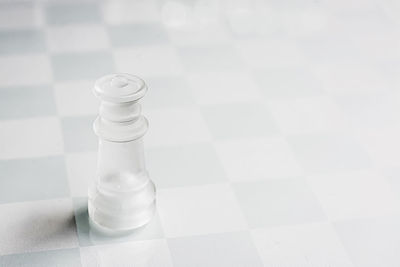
(72, 12)
(239, 120)
(88, 236)
(288, 83)
(330, 46)
(393, 177)
(328, 153)
(210, 58)
(167, 91)
(80, 66)
(371, 242)
(137, 34)
(78, 134)
(187, 165)
(278, 202)
(370, 110)
(220, 250)
(22, 41)
(33, 179)
(60, 258)
(25, 102)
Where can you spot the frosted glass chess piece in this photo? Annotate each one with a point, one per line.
(122, 196)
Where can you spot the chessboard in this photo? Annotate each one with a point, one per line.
(274, 135)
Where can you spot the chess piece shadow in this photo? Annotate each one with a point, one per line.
(43, 229)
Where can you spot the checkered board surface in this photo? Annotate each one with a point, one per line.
(274, 133)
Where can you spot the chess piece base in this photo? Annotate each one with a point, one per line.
(121, 211)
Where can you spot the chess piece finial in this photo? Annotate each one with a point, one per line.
(122, 197)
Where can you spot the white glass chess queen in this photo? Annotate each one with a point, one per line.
(122, 197)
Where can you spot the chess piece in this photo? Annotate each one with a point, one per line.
(122, 197)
